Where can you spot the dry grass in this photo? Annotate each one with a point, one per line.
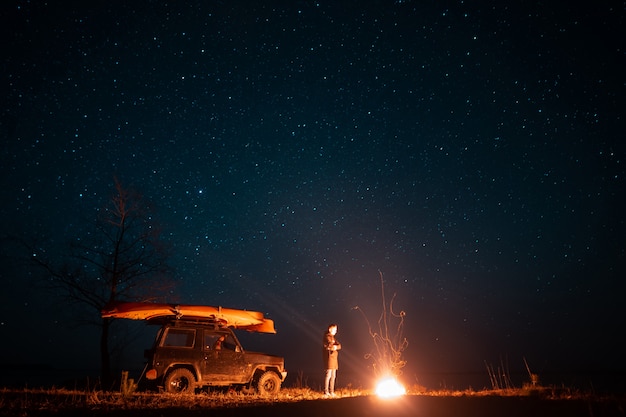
(25, 402)
(58, 399)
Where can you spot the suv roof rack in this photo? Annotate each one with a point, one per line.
(203, 321)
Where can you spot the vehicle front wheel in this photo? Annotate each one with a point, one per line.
(180, 380)
(269, 384)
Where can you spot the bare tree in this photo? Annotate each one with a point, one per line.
(123, 259)
(389, 342)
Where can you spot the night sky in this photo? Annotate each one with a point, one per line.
(474, 154)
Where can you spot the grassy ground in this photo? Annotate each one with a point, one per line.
(48, 402)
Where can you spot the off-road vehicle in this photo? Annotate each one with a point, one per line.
(196, 347)
(189, 355)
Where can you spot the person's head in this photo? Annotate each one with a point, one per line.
(332, 329)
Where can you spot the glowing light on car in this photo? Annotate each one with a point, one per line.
(389, 387)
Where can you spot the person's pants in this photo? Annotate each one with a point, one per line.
(329, 381)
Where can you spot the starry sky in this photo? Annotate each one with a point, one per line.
(471, 153)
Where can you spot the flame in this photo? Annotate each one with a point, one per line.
(389, 387)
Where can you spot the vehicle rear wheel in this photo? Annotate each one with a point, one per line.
(180, 380)
(269, 384)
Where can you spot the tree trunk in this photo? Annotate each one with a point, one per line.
(105, 360)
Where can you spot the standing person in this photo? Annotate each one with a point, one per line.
(331, 363)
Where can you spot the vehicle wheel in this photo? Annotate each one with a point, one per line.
(180, 380)
(269, 384)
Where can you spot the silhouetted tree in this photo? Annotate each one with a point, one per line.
(122, 259)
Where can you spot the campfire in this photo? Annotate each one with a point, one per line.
(389, 387)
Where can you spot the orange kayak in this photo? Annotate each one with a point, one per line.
(252, 321)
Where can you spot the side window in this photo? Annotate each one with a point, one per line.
(179, 338)
(220, 341)
(229, 343)
(211, 341)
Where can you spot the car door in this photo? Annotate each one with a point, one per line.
(224, 361)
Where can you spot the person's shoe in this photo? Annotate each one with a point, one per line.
(327, 395)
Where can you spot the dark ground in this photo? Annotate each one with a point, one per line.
(412, 405)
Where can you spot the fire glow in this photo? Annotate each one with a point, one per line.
(389, 387)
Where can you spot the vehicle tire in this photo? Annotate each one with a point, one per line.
(180, 380)
(269, 384)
